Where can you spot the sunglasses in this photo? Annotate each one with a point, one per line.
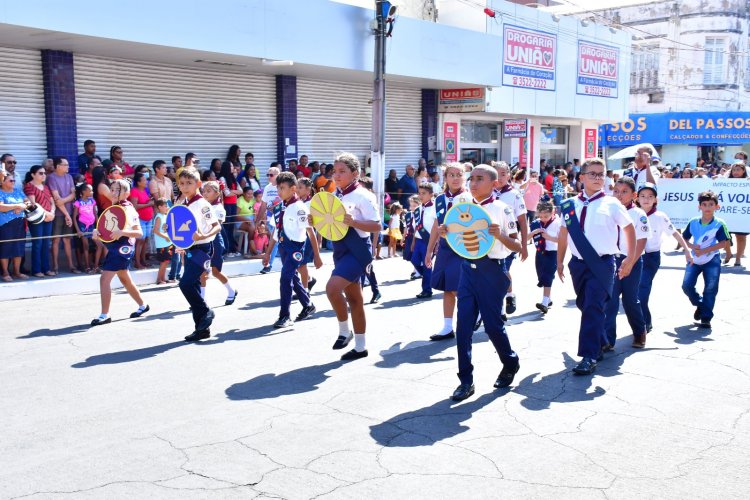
(11, 162)
(11, 180)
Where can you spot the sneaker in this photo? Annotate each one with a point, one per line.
(510, 304)
(206, 321)
(265, 270)
(415, 276)
(542, 308)
(198, 335)
(587, 366)
(306, 313)
(354, 354)
(283, 322)
(311, 283)
(375, 298)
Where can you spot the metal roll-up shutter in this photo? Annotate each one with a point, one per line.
(23, 133)
(337, 116)
(154, 111)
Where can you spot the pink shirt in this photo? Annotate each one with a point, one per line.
(531, 196)
(146, 213)
(86, 215)
(261, 242)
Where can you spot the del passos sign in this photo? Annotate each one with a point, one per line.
(722, 128)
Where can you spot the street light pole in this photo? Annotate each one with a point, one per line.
(377, 153)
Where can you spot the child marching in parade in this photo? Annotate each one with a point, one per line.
(352, 255)
(212, 193)
(591, 232)
(660, 226)
(628, 286)
(480, 282)
(291, 236)
(447, 267)
(304, 191)
(119, 254)
(424, 219)
(544, 232)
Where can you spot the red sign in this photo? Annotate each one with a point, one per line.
(523, 152)
(461, 100)
(529, 58)
(450, 141)
(597, 69)
(590, 140)
(515, 128)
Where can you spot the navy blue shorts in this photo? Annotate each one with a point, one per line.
(509, 261)
(446, 271)
(546, 267)
(345, 264)
(118, 257)
(217, 259)
(309, 255)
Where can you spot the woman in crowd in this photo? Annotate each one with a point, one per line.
(250, 178)
(738, 172)
(687, 173)
(215, 167)
(532, 193)
(231, 189)
(39, 193)
(12, 231)
(115, 156)
(144, 205)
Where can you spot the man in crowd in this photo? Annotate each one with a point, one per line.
(89, 151)
(407, 186)
(64, 193)
(10, 168)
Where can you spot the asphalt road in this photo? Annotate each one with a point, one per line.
(128, 410)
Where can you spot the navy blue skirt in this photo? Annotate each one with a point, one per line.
(446, 271)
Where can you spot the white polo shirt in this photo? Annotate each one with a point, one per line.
(641, 177)
(553, 230)
(501, 214)
(362, 206)
(661, 226)
(270, 197)
(205, 218)
(429, 216)
(642, 228)
(514, 199)
(602, 218)
(295, 222)
(219, 212)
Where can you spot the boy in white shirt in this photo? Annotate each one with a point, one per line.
(544, 232)
(424, 218)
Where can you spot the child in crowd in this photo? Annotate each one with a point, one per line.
(447, 268)
(409, 230)
(197, 257)
(269, 200)
(352, 255)
(544, 232)
(627, 286)
(481, 282)
(709, 235)
(291, 219)
(304, 191)
(259, 242)
(245, 213)
(120, 254)
(85, 213)
(424, 219)
(212, 193)
(394, 228)
(164, 247)
(660, 226)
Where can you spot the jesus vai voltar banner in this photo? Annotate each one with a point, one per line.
(678, 198)
(529, 58)
(597, 69)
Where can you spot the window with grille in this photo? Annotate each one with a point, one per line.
(644, 73)
(713, 61)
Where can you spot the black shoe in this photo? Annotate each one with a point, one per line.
(140, 312)
(311, 283)
(462, 392)
(229, 300)
(639, 341)
(478, 324)
(415, 276)
(265, 270)
(649, 328)
(206, 321)
(198, 335)
(306, 313)
(504, 318)
(443, 336)
(283, 322)
(97, 321)
(510, 304)
(424, 295)
(375, 298)
(542, 308)
(342, 342)
(697, 314)
(587, 366)
(353, 354)
(550, 304)
(705, 323)
(506, 376)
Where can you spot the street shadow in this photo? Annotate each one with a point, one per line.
(395, 282)
(161, 316)
(271, 385)
(570, 303)
(429, 425)
(56, 332)
(690, 334)
(535, 315)
(417, 352)
(408, 301)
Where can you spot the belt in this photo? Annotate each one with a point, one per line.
(601, 256)
(497, 261)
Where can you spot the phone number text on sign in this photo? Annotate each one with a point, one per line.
(529, 58)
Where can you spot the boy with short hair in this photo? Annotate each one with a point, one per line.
(424, 218)
(480, 283)
(409, 232)
(292, 230)
(304, 191)
(164, 247)
(709, 235)
(198, 256)
(544, 233)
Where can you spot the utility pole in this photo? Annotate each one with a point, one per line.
(377, 154)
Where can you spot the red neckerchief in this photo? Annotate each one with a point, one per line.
(545, 226)
(586, 202)
(348, 189)
(629, 205)
(193, 199)
(652, 211)
(483, 203)
(307, 199)
(291, 200)
(506, 188)
(428, 204)
(217, 201)
(450, 197)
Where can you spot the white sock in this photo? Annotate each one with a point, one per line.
(103, 316)
(142, 308)
(344, 328)
(203, 292)
(359, 342)
(546, 300)
(447, 326)
(230, 290)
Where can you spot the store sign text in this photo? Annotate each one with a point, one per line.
(529, 58)
(597, 69)
(461, 100)
(723, 128)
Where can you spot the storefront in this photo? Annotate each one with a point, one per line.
(683, 137)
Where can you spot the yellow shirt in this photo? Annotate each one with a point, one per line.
(245, 207)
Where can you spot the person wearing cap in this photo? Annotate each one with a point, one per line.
(642, 172)
(660, 226)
